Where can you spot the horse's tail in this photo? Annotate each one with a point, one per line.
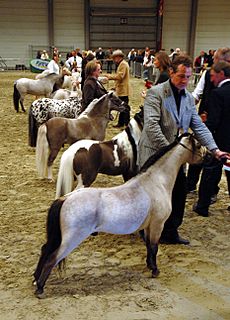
(65, 178)
(33, 129)
(53, 234)
(42, 151)
(16, 97)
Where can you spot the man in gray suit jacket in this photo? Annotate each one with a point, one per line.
(168, 109)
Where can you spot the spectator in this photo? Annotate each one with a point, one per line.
(218, 121)
(210, 57)
(131, 56)
(100, 55)
(171, 53)
(38, 56)
(121, 78)
(162, 62)
(44, 55)
(86, 58)
(139, 56)
(109, 60)
(93, 88)
(147, 63)
(174, 54)
(168, 108)
(203, 90)
(200, 64)
(74, 58)
(53, 65)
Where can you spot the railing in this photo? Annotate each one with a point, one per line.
(3, 65)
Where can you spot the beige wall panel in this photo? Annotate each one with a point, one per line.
(69, 23)
(175, 24)
(22, 23)
(213, 25)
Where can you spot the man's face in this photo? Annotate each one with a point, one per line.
(181, 77)
(117, 59)
(216, 77)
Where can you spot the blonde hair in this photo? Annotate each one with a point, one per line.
(91, 67)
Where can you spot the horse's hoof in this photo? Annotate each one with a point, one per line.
(155, 273)
(34, 283)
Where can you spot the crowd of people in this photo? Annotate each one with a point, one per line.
(169, 108)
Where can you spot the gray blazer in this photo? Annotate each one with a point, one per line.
(161, 121)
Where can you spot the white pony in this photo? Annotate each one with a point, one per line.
(71, 88)
(144, 202)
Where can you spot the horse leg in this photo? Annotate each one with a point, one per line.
(21, 102)
(52, 156)
(70, 240)
(50, 263)
(152, 249)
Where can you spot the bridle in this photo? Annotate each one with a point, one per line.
(193, 152)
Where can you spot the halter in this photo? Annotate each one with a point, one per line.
(202, 156)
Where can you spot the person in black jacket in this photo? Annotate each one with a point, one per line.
(203, 91)
(218, 121)
(93, 88)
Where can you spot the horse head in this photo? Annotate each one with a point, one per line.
(198, 152)
(114, 103)
(105, 104)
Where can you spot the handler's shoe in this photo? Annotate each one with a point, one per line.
(201, 211)
(174, 240)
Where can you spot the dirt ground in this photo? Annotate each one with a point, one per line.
(106, 277)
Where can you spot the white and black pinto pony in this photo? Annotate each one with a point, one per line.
(84, 159)
(38, 87)
(43, 109)
(91, 124)
(142, 203)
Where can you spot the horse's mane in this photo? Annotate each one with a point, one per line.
(139, 116)
(89, 107)
(156, 156)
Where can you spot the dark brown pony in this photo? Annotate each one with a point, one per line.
(86, 158)
(91, 124)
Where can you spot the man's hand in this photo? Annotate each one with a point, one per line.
(218, 154)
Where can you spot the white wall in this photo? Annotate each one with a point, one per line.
(175, 24)
(22, 22)
(69, 23)
(213, 25)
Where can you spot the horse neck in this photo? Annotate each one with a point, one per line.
(100, 110)
(166, 168)
(135, 130)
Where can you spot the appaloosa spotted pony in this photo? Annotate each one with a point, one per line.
(41, 110)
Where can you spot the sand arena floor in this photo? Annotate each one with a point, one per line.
(106, 277)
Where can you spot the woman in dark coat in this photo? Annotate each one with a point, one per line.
(93, 88)
(162, 62)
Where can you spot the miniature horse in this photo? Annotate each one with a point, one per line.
(144, 202)
(38, 87)
(86, 158)
(91, 124)
(43, 109)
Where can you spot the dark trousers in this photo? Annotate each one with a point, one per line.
(178, 205)
(193, 176)
(227, 174)
(124, 116)
(210, 179)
